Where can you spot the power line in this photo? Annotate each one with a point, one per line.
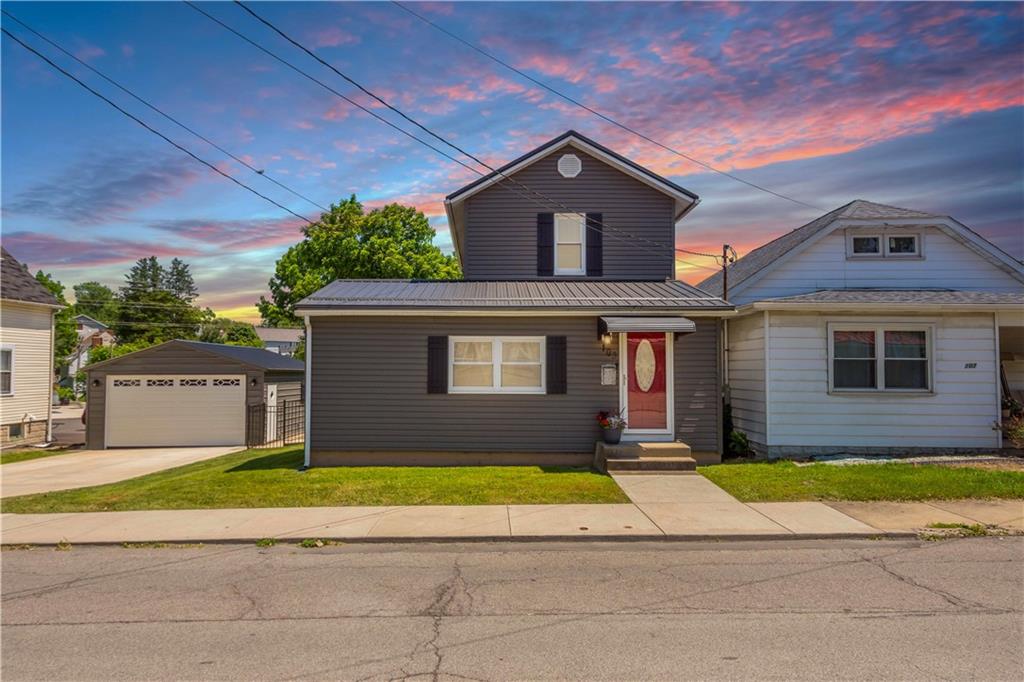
(600, 115)
(208, 141)
(151, 129)
(388, 123)
(427, 130)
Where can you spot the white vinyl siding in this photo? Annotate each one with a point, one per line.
(959, 412)
(746, 375)
(500, 364)
(945, 264)
(27, 328)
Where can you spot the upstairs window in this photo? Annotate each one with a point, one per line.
(570, 244)
(864, 244)
(6, 371)
(880, 358)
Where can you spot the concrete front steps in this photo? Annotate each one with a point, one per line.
(646, 458)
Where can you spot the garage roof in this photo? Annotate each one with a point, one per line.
(245, 355)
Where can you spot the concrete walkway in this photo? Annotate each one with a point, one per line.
(664, 506)
(96, 467)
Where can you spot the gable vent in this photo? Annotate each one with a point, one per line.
(569, 165)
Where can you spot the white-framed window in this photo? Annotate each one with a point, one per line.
(570, 244)
(880, 357)
(864, 243)
(6, 370)
(496, 364)
(902, 246)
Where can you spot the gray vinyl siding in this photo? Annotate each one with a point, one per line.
(161, 360)
(501, 223)
(698, 384)
(288, 391)
(369, 390)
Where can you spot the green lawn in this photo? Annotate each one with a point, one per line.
(11, 456)
(786, 482)
(268, 478)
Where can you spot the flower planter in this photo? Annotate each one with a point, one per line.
(612, 436)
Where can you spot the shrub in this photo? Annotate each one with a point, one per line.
(739, 445)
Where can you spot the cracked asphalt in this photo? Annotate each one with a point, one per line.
(837, 609)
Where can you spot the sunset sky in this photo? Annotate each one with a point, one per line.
(917, 105)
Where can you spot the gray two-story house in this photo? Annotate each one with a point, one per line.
(569, 307)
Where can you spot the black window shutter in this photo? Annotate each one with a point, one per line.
(437, 364)
(545, 244)
(595, 244)
(556, 364)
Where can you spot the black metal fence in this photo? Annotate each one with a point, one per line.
(271, 426)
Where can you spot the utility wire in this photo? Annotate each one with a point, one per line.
(427, 130)
(170, 118)
(150, 128)
(385, 121)
(600, 115)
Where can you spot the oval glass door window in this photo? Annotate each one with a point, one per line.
(644, 365)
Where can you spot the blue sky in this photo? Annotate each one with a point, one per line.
(918, 105)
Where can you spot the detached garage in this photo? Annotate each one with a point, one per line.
(185, 393)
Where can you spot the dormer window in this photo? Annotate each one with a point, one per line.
(570, 244)
(867, 244)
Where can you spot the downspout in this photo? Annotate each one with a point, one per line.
(49, 390)
(309, 390)
(999, 384)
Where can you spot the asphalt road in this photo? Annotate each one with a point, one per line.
(621, 611)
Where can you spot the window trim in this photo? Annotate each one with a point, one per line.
(917, 246)
(10, 347)
(496, 363)
(879, 329)
(853, 254)
(582, 220)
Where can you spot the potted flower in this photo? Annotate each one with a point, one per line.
(611, 426)
(1010, 407)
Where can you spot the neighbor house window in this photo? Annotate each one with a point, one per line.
(879, 358)
(6, 371)
(570, 244)
(509, 364)
(866, 245)
(902, 245)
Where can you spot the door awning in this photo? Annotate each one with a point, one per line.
(680, 325)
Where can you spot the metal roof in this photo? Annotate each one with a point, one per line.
(766, 254)
(18, 284)
(250, 355)
(904, 297)
(649, 324)
(542, 294)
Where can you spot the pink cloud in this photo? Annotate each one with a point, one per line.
(873, 41)
(46, 250)
(332, 36)
(88, 52)
(128, 50)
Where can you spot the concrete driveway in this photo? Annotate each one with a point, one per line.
(96, 467)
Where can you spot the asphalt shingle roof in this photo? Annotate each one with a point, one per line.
(257, 357)
(497, 295)
(764, 255)
(905, 296)
(18, 284)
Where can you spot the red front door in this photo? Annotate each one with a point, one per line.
(647, 385)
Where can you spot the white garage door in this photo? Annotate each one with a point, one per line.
(181, 409)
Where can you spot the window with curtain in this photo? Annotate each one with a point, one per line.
(511, 364)
(880, 358)
(570, 244)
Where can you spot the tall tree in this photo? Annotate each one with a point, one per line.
(150, 312)
(178, 280)
(65, 336)
(390, 242)
(95, 300)
(146, 275)
(223, 330)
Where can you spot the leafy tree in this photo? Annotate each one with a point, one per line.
(65, 334)
(96, 300)
(390, 242)
(223, 330)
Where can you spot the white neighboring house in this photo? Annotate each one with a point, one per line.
(873, 329)
(27, 310)
(91, 334)
(280, 340)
